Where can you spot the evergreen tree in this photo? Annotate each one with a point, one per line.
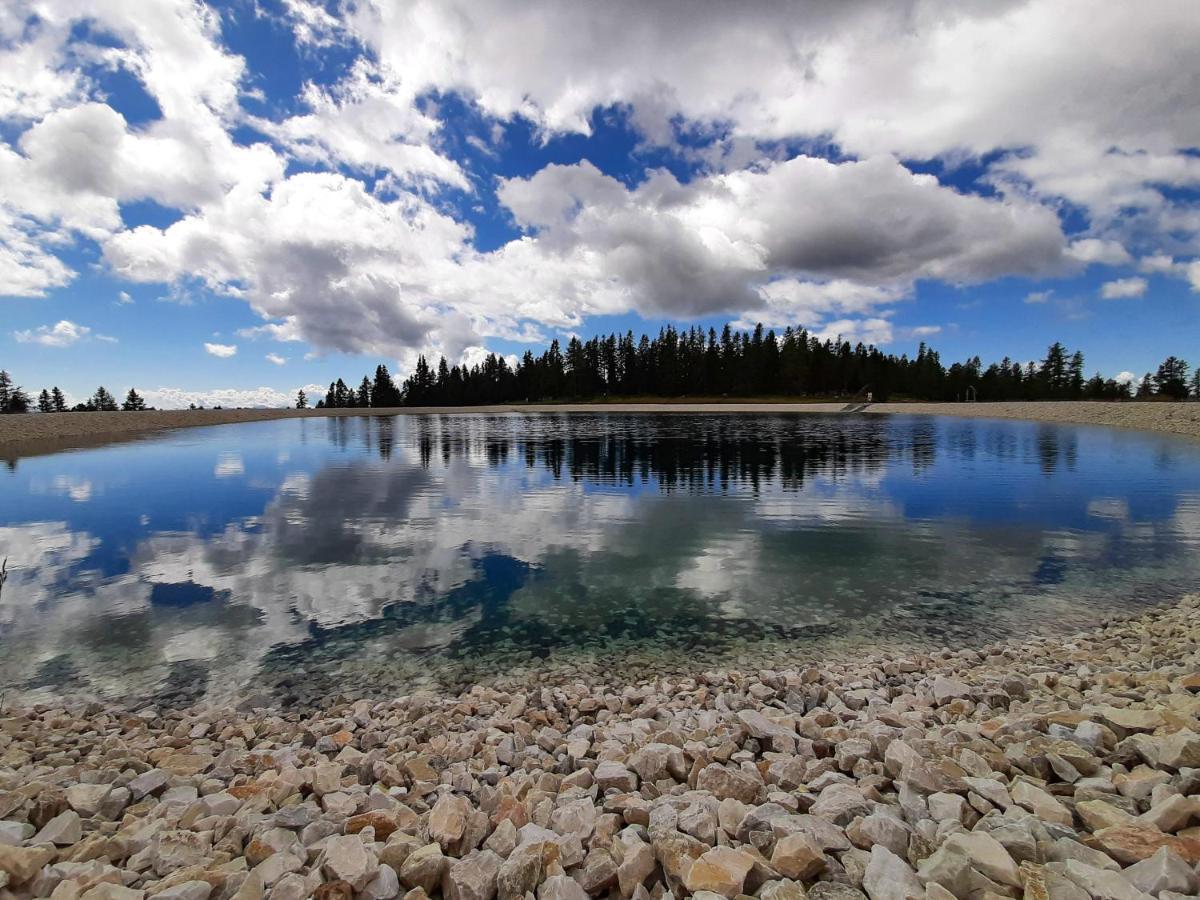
(301, 400)
(45, 404)
(103, 401)
(133, 402)
(384, 392)
(6, 388)
(1171, 378)
(1075, 376)
(1146, 389)
(363, 399)
(18, 401)
(1196, 384)
(57, 398)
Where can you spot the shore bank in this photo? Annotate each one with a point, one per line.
(1050, 767)
(46, 433)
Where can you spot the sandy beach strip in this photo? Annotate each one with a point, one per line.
(33, 434)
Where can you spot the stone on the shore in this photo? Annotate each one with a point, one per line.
(721, 870)
(724, 783)
(423, 868)
(798, 856)
(472, 877)
(64, 829)
(888, 877)
(448, 820)
(1164, 871)
(614, 776)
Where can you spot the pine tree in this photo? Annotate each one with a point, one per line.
(363, 399)
(384, 392)
(45, 404)
(1171, 378)
(57, 398)
(6, 387)
(301, 400)
(18, 401)
(1146, 389)
(1196, 384)
(133, 402)
(103, 401)
(1075, 376)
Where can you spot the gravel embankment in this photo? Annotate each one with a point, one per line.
(31, 434)
(1048, 768)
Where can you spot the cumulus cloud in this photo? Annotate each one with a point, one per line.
(223, 351)
(918, 80)
(323, 259)
(62, 334)
(1096, 250)
(256, 398)
(1123, 288)
(1125, 377)
(275, 359)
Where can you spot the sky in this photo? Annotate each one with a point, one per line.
(225, 202)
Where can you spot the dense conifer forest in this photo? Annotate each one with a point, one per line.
(757, 364)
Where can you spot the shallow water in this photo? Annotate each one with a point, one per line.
(302, 557)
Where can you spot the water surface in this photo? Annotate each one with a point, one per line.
(302, 557)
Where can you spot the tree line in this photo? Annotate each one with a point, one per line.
(754, 363)
(696, 363)
(14, 399)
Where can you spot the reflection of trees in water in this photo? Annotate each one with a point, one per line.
(677, 452)
(1055, 447)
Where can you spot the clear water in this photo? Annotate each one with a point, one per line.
(300, 558)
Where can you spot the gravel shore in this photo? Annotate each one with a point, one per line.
(1044, 768)
(31, 434)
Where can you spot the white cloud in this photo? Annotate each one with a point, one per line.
(276, 359)
(123, 299)
(223, 351)
(1038, 297)
(62, 334)
(1125, 377)
(1123, 288)
(915, 80)
(1095, 250)
(323, 259)
(923, 331)
(251, 398)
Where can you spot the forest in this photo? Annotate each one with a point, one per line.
(756, 364)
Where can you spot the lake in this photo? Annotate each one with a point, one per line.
(292, 559)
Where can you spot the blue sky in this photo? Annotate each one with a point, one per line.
(224, 203)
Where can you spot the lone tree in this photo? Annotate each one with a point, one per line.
(301, 400)
(103, 401)
(57, 398)
(133, 402)
(45, 404)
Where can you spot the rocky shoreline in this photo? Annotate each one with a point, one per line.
(1035, 768)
